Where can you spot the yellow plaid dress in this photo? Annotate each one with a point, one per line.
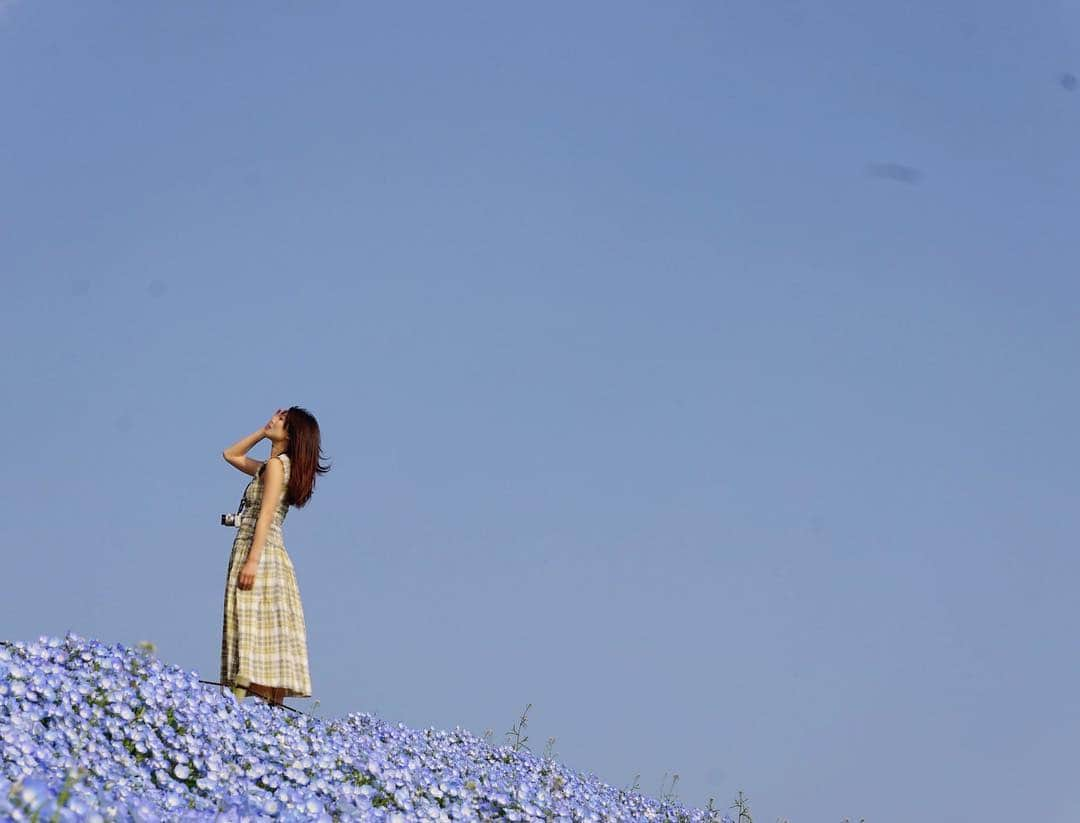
(263, 635)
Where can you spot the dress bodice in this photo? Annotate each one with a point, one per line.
(253, 498)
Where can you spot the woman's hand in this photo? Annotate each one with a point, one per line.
(247, 575)
(270, 423)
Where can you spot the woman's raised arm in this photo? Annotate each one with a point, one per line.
(236, 454)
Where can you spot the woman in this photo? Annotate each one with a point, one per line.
(263, 637)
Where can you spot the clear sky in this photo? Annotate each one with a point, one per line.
(702, 373)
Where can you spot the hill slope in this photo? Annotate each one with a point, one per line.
(96, 731)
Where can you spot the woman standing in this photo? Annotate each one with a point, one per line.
(263, 636)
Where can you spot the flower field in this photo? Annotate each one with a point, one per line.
(91, 731)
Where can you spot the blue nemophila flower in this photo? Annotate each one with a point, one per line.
(32, 793)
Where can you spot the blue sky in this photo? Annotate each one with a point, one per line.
(655, 396)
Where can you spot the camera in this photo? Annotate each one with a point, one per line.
(233, 518)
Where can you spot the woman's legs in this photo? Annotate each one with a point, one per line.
(262, 691)
(269, 694)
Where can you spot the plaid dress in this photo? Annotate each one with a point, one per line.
(263, 635)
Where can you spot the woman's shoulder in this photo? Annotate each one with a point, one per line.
(286, 465)
(283, 459)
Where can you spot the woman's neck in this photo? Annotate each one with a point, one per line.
(276, 450)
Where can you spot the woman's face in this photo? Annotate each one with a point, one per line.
(275, 429)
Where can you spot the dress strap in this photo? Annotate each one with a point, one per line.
(285, 462)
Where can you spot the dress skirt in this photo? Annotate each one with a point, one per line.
(264, 637)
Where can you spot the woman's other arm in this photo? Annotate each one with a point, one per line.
(273, 482)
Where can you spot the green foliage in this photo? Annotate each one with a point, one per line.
(170, 718)
(515, 730)
(73, 777)
(743, 805)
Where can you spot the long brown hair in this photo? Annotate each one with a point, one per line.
(304, 450)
